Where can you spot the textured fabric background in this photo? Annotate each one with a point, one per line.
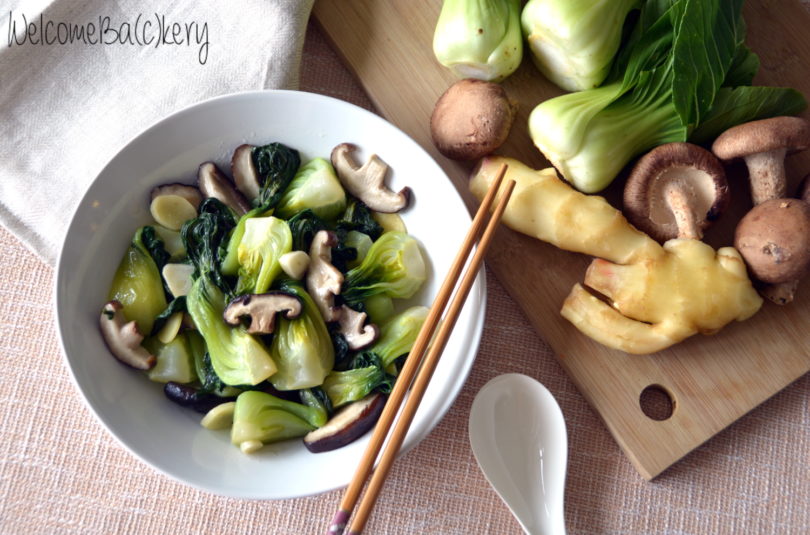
(60, 472)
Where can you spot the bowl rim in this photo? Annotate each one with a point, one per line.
(413, 438)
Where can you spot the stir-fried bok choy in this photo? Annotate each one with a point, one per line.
(235, 326)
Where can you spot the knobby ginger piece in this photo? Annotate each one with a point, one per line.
(656, 295)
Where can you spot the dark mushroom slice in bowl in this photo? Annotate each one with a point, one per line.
(123, 338)
(357, 333)
(347, 425)
(324, 280)
(262, 310)
(213, 183)
(676, 190)
(763, 145)
(774, 240)
(243, 170)
(367, 182)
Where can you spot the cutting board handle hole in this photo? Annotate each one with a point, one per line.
(656, 403)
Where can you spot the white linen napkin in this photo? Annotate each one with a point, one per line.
(78, 80)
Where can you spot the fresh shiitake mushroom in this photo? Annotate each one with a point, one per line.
(471, 119)
(763, 145)
(774, 239)
(676, 190)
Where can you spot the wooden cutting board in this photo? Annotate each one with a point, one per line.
(710, 380)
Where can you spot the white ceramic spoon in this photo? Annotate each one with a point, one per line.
(518, 437)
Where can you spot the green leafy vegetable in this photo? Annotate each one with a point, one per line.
(262, 417)
(664, 85)
(358, 217)
(394, 266)
(237, 357)
(367, 375)
(398, 334)
(264, 241)
(174, 360)
(138, 286)
(315, 187)
(177, 304)
(303, 227)
(301, 347)
(276, 165)
(479, 38)
(206, 240)
(573, 42)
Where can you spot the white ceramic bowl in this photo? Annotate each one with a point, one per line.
(134, 409)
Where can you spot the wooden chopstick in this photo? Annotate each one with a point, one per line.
(413, 362)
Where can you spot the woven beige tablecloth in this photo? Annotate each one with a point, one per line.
(61, 473)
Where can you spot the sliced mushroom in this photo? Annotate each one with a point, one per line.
(774, 239)
(367, 182)
(213, 183)
(676, 190)
(354, 329)
(262, 310)
(123, 338)
(244, 173)
(323, 279)
(189, 193)
(763, 145)
(347, 425)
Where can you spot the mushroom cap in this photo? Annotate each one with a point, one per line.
(471, 119)
(774, 240)
(765, 135)
(683, 166)
(354, 329)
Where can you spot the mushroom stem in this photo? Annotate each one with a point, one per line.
(766, 171)
(685, 218)
(781, 293)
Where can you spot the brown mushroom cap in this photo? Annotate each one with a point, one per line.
(262, 309)
(774, 239)
(676, 190)
(763, 144)
(471, 119)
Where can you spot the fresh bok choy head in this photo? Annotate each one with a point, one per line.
(479, 38)
(675, 76)
(573, 42)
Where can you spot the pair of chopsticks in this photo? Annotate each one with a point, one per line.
(412, 364)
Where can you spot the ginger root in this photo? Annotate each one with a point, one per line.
(650, 296)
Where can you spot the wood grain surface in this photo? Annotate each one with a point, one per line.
(711, 380)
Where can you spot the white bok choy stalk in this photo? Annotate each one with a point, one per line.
(479, 38)
(573, 42)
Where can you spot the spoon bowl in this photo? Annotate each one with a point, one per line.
(518, 436)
